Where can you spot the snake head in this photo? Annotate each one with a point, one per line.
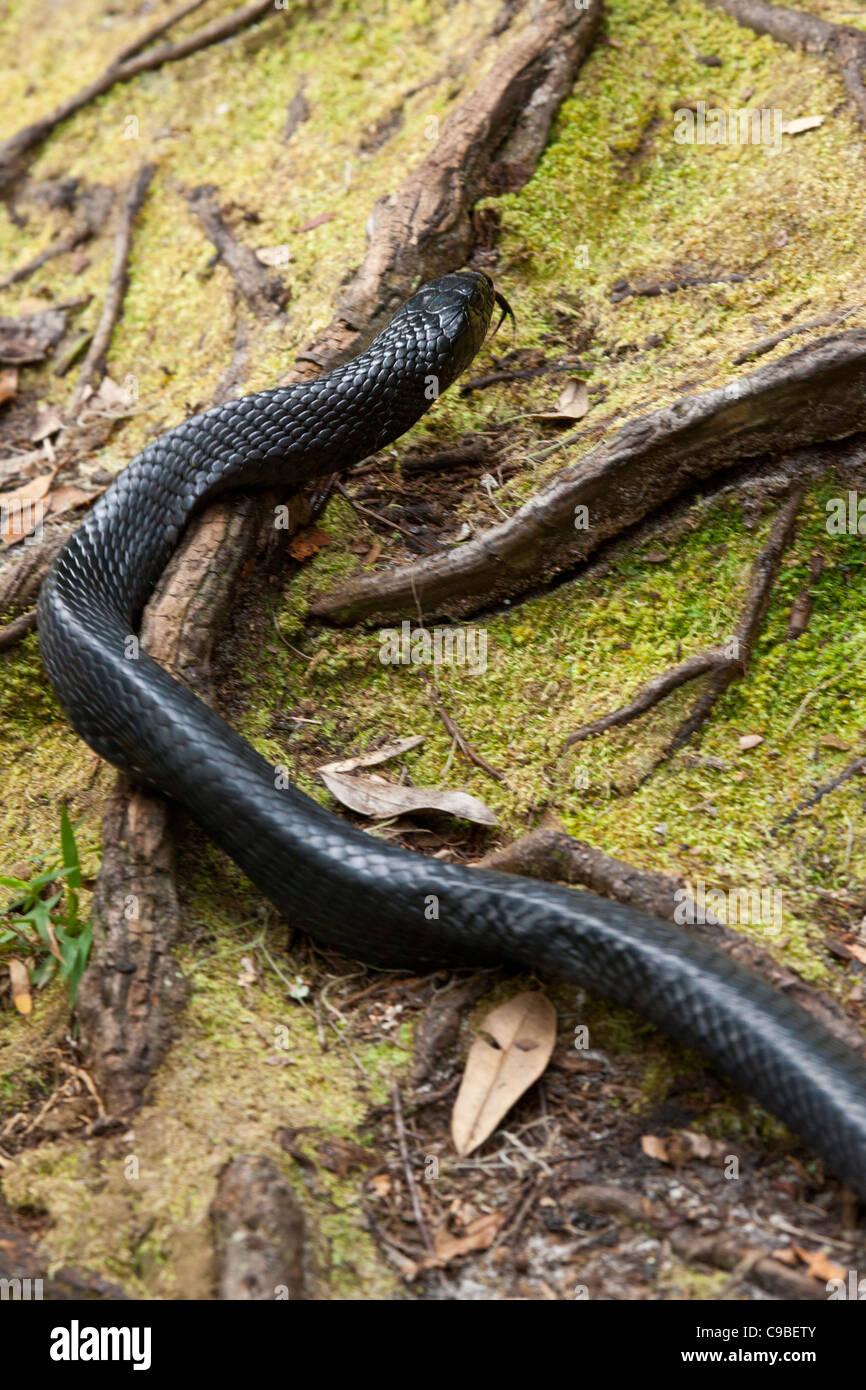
(458, 308)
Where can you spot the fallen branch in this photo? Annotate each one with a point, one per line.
(844, 45)
(815, 394)
(117, 283)
(265, 294)
(724, 1252)
(129, 63)
(554, 856)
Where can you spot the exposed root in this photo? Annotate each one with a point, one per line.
(554, 856)
(426, 228)
(258, 1233)
(815, 394)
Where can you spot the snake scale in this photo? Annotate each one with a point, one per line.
(348, 889)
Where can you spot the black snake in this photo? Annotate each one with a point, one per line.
(351, 891)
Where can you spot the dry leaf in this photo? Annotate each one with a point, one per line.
(859, 953)
(748, 741)
(48, 421)
(379, 755)
(66, 499)
(512, 1049)
(818, 1265)
(480, 1235)
(834, 741)
(274, 256)
(308, 542)
(801, 123)
(24, 465)
(315, 222)
(17, 511)
(654, 1147)
(655, 557)
(381, 1184)
(19, 976)
(573, 402)
(8, 384)
(370, 796)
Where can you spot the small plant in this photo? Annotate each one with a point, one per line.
(44, 926)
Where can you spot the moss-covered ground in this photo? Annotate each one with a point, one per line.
(614, 197)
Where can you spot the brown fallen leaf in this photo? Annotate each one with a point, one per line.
(655, 557)
(858, 952)
(572, 404)
(747, 741)
(19, 977)
(66, 499)
(834, 741)
(32, 336)
(378, 755)
(818, 1265)
(8, 384)
(19, 512)
(801, 123)
(308, 542)
(370, 796)
(512, 1049)
(480, 1235)
(654, 1147)
(315, 222)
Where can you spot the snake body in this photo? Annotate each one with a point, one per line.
(367, 898)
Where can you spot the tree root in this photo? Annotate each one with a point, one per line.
(426, 228)
(726, 663)
(815, 394)
(554, 856)
(258, 1233)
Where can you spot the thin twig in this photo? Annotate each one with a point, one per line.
(453, 729)
(116, 286)
(407, 1168)
(654, 692)
(857, 768)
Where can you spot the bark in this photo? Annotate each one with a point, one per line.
(813, 395)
